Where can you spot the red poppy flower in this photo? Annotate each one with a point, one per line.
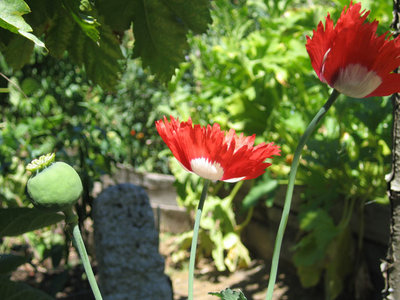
(215, 154)
(352, 58)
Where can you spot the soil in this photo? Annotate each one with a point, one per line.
(251, 280)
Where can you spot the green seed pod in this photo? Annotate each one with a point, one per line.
(55, 187)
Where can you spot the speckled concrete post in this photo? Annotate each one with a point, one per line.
(126, 242)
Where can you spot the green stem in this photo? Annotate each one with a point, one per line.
(348, 213)
(239, 228)
(361, 227)
(235, 190)
(72, 222)
(289, 193)
(194, 239)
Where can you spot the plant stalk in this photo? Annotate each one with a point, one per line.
(195, 237)
(289, 193)
(72, 222)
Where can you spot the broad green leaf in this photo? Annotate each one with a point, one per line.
(87, 22)
(18, 220)
(117, 14)
(11, 12)
(17, 290)
(229, 294)
(9, 262)
(59, 34)
(100, 61)
(160, 29)
(120, 14)
(311, 249)
(195, 14)
(18, 52)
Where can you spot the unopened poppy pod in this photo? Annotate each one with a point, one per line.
(215, 154)
(352, 58)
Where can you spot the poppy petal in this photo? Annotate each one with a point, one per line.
(215, 154)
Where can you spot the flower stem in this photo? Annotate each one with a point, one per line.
(289, 193)
(72, 222)
(194, 239)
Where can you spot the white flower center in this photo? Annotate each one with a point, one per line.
(206, 169)
(356, 81)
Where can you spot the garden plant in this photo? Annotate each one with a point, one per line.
(246, 80)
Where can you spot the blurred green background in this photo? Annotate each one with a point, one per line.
(249, 72)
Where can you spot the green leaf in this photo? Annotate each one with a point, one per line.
(9, 262)
(18, 52)
(30, 85)
(101, 62)
(194, 14)
(11, 12)
(260, 190)
(230, 240)
(229, 294)
(120, 14)
(117, 14)
(309, 275)
(18, 220)
(160, 29)
(17, 290)
(218, 251)
(341, 262)
(88, 23)
(59, 34)
(311, 249)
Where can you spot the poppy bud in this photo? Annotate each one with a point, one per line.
(57, 187)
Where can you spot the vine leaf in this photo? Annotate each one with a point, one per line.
(117, 14)
(11, 12)
(100, 60)
(59, 34)
(80, 12)
(160, 29)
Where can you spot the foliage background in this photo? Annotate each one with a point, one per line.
(250, 72)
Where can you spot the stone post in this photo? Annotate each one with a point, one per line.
(126, 242)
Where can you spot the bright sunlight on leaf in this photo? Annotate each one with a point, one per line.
(11, 12)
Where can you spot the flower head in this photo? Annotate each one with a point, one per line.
(215, 154)
(352, 58)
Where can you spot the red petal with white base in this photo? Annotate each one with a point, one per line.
(352, 58)
(215, 154)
